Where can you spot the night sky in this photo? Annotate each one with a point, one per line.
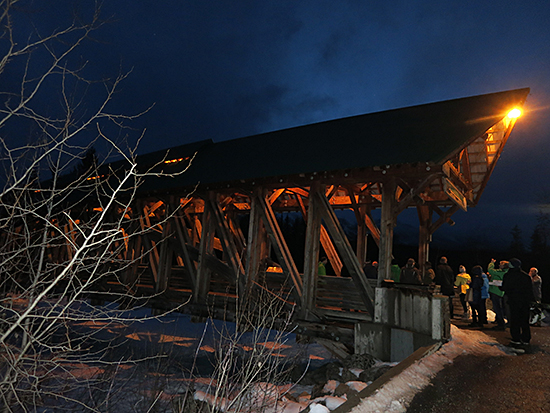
(227, 69)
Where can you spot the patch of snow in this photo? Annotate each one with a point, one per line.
(356, 385)
(318, 408)
(357, 372)
(331, 402)
(330, 386)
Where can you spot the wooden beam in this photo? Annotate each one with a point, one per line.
(332, 254)
(424, 236)
(205, 249)
(387, 223)
(345, 250)
(256, 235)
(361, 237)
(228, 245)
(165, 258)
(413, 196)
(182, 235)
(444, 217)
(373, 229)
(281, 249)
(326, 242)
(311, 255)
(276, 194)
(151, 247)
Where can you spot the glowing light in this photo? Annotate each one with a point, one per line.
(176, 160)
(514, 113)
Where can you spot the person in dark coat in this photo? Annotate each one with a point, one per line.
(518, 288)
(410, 274)
(371, 270)
(445, 277)
(479, 310)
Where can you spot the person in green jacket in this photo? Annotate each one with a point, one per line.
(495, 293)
(322, 269)
(395, 271)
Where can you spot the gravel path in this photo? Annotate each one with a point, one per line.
(510, 383)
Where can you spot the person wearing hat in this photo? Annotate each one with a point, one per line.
(410, 274)
(518, 287)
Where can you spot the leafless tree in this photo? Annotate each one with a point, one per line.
(63, 212)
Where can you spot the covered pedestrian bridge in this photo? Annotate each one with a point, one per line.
(206, 217)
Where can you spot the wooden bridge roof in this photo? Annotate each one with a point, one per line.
(429, 133)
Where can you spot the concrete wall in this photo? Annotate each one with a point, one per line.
(405, 319)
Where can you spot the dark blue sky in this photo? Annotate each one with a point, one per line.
(227, 69)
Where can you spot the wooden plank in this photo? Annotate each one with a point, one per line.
(344, 247)
(355, 399)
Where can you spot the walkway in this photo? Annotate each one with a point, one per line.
(492, 384)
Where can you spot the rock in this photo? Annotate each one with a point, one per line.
(355, 386)
(359, 361)
(348, 375)
(329, 371)
(330, 386)
(341, 390)
(374, 372)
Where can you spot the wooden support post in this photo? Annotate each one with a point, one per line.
(387, 223)
(236, 231)
(256, 233)
(326, 242)
(228, 246)
(205, 248)
(424, 236)
(165, 255)
(361, 237)
(281, 248)
(134, 255)
(311, 256)
(182, 234)
(347, 253)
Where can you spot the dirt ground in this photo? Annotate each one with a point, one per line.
(510, 383)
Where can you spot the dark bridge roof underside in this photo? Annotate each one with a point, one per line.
(430, 133)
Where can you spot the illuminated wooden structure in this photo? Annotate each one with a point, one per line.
(436, 158)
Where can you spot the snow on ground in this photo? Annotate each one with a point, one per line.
(395, 395)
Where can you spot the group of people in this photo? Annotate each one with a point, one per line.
(512, 292)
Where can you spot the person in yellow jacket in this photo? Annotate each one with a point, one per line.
(463, 280)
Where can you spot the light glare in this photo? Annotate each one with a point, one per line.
(514, 113)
